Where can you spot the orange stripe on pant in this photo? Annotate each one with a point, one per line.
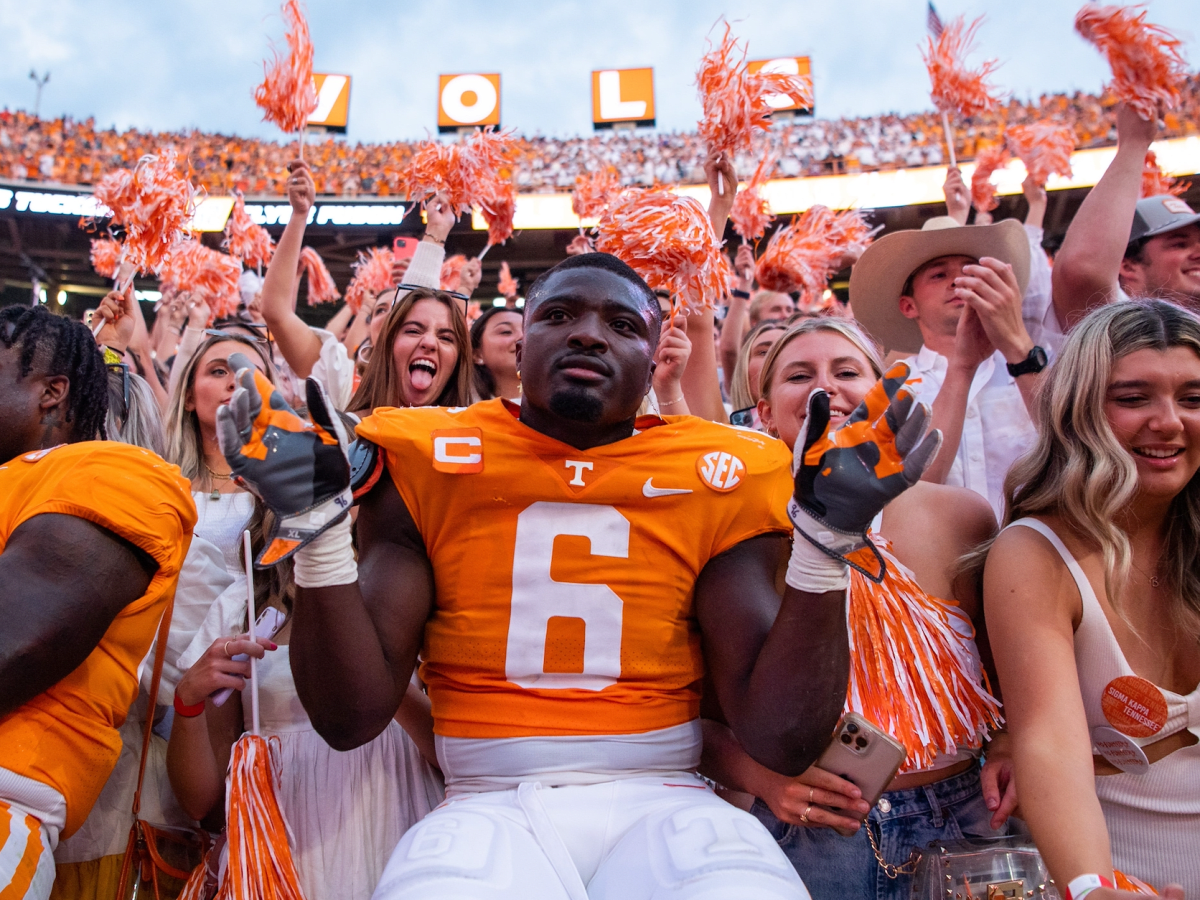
(26, 865)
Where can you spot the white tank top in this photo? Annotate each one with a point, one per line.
(1152, 810)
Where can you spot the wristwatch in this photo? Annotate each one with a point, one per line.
(1030, 365)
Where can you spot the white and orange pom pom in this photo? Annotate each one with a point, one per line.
(751, 213)
(213, 276)
(983, 192)
(507, 285)
(803, 255)
(260, 864)
(106, 256)
(498, 207)
(670, 242)
(593, 190)
(1148, 69)
(153, 203)
(287, 95)
(372, 276)
(321, 287)
(913, 672)
(250, 243)
(468, 173)
(1045, 148)
(1155, 183)
(735, 99)
(451, 269)
(954, 87)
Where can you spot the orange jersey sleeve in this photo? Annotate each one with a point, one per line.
(66, 737)
(565, 579)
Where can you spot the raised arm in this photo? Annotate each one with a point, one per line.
(1088, 264)
(297, 342)
(63, 580)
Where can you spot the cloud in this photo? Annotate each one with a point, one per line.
(194, 63)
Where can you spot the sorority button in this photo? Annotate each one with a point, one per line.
(885, 805)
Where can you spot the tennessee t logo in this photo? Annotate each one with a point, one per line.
(579, 466)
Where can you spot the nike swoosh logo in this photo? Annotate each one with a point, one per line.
(649, 490)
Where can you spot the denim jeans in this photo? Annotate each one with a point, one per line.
(840, 868)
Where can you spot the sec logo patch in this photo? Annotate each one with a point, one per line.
(721, 471)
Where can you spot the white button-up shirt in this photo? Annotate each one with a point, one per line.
(996, 430)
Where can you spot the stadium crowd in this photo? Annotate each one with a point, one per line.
(529, 619)
(76, 152)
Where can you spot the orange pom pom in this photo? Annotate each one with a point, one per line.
(581, 243)
(593, 190)
(735, 100)
(669, 241)
(498, 208)
(469, 173)
(508, 285)
(106, 256)
(751, 214)
(954, 87)
(212, 276)
(1148, 69)
(802, 255)
(260, 865)
(451, 269)
(153, 203)
(1155, 183)
(1044, 147)
(372, 276)
(321, 288)
(983, 192)
(287, 95)
(250, 243)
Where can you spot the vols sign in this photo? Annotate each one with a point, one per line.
(333, 102)
(787, 65)
(465, 101)
(622, 95)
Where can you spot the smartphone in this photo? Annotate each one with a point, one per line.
(270, 620)
(404, 248)
(863, 755)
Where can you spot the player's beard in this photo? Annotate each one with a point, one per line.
(576, 405)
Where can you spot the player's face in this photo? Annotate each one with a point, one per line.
(818, 359)
(20, 412)
(588, 349)
(213, 381)
(1153, 406)
(498, 346)
(1170, 267)
(425, 352)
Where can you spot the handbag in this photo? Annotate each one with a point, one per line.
(158, 858)
(1008, 867)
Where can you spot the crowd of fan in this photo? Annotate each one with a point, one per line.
(76, 152)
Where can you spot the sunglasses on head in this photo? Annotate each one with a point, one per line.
(237, 335)
(123, 369)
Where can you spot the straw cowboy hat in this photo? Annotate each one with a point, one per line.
(877, 279)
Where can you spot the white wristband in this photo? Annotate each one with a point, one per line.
(813, 571)
(1082, 885)
(328, 559)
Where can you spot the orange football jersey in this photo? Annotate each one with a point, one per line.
(565, 577)
(66, 737)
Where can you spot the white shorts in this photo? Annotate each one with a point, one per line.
(634, 839)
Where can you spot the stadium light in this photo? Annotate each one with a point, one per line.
(62, 298)
(500, 301)
(520, 304)
(41, 295)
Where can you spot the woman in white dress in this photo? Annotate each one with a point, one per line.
(1092, 596)
(347, 811)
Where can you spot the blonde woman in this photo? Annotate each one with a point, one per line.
(942, 792)
(1093, 604)
(744, 384)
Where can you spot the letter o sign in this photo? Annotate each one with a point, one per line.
(465, 100)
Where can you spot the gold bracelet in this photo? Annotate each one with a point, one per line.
(678, 399)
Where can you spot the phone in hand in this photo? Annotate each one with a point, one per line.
(864, 755)
(270, 620)
(403, 248)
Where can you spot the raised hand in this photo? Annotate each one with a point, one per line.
(300, 471)
(844, 478)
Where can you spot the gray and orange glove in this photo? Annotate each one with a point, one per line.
(300, 471)
(844, 478)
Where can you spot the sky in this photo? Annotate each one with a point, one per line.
(194, 63)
